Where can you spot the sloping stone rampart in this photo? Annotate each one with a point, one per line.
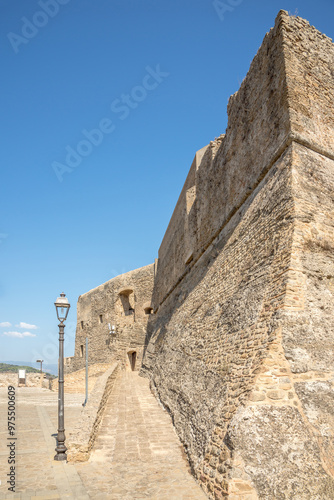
(241, 347)
(209, 340)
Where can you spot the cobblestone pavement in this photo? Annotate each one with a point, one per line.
(137, 454)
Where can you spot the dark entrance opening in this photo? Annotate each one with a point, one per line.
(132, 359)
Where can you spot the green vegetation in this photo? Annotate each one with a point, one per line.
(4, 367)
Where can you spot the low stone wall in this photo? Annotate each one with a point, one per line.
(69, 364)
(75, 382)
(32, 380)
(81, 440)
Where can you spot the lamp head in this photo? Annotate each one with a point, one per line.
(62, 307)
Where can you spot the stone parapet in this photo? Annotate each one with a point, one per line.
(75, 382)
(32, 380)
(82, 438)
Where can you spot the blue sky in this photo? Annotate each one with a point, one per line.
(137, 87)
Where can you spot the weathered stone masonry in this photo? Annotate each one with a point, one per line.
(123, 302)
(240, 348)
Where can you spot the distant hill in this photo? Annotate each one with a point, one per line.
(9, 367)
(47, 367)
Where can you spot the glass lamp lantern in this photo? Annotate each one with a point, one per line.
(62, 307)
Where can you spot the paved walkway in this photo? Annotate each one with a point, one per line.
(137, 454)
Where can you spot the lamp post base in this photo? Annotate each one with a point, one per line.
(61, 453)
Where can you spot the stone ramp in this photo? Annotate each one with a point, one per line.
(137, 454)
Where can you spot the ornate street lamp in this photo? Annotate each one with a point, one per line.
(62, 308)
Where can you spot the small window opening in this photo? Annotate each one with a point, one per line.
(127, 300)
(101, 319)
(81, 325)
(81, 351)
(148, 310)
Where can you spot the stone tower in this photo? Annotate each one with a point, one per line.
(113, 317)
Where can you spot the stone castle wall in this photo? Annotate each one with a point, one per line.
(224, 174)
(125, 302)
(241, 349)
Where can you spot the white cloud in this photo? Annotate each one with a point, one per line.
(26, 325)
(19, 335)
(5, 324)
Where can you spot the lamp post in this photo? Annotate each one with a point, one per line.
(40, 361)
(62, 308)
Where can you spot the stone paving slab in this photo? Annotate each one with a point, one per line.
(137, 454)
(38, 476)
